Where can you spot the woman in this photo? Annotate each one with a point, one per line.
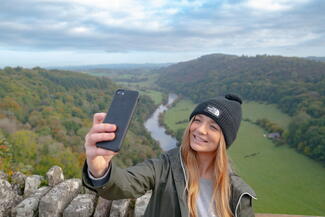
(194, 180)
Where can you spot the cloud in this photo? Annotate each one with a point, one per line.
(161, 25)
(273, 5)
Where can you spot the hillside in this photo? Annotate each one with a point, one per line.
(219, 73)
(45, 115)
(320, 59)
(295, 85)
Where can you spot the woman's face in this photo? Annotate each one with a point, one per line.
(205, 134)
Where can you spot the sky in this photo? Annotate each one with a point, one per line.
(86, 32)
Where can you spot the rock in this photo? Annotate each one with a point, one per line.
(119, 208)
(57, 199)
(103, 207)
(8, 198)
(141, 204)
(3, 175)
(81, 206)
(54, 176)
(29, 206)
(32, 183)
(86, 190)
(18, 182)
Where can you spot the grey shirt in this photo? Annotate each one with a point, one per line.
(204, 205)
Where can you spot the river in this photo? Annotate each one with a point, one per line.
(158, 132)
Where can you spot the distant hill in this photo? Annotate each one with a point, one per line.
(296, 85)
(321, 59)
(257, 78)
(121, 66)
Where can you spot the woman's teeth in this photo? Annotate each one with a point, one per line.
(199, 139)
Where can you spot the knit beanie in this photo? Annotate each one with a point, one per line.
(225, 111)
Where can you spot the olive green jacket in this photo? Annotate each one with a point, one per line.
(165, 176)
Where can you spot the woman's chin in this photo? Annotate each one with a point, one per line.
(196, 146)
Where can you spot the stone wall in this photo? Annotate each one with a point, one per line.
(23, 196)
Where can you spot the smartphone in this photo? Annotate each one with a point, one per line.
(120, 113)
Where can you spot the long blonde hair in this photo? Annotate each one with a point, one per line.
(220, 179)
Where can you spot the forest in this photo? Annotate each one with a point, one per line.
(295, 85)
(45, 115)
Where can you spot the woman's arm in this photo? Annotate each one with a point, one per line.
(131, 182)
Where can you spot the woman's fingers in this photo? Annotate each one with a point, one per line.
(103, 128)
(94, 152)
(98, 118)
(93, 138)
(99, 132)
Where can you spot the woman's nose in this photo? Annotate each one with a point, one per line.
(202, 128)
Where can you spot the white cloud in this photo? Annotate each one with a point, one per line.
(273, 5)
(260, 7)
(126, 14)
(80, 30)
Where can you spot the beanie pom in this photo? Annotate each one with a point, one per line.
(234, 98)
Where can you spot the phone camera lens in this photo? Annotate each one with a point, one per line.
(120, 92)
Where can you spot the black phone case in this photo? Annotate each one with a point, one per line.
(120, 113)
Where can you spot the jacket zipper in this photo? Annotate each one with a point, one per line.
(240, 200)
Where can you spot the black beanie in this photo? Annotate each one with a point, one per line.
(226, 112)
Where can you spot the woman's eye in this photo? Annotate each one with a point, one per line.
(214, 127)
(196, 120)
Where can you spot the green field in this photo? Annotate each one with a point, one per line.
(179, 113)
(142, 79)
(156, 96)
(285, 181)
(254, 111)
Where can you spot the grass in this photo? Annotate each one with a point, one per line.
(285, 181)
(179, 113)
(254, 111)
(156, 96)
(148, 83)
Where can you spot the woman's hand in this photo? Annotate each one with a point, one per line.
(98, 159)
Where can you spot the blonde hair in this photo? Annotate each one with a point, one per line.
(220, 179)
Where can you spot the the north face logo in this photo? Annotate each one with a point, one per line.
(213, 110)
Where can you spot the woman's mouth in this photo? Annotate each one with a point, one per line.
(199, 139)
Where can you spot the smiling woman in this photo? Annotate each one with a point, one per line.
(205, 134)
(194, 180)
